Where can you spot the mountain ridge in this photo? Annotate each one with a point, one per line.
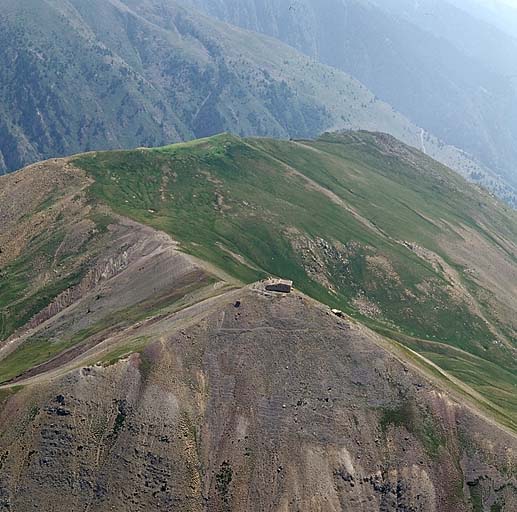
(136, 333)
(333, 251)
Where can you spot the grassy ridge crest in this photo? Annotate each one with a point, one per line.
(358, 220)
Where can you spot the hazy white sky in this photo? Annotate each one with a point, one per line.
(512, 3)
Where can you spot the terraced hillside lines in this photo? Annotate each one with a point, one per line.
(359, 221)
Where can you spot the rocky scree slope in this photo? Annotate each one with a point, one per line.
(276, 404)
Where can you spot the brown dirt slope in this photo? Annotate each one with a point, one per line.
(274, 405)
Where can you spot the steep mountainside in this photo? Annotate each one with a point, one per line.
(80, 75)
(132, 351)
(359, 221)
(457, 84)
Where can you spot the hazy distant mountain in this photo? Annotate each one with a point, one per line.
(77, 75)
(450, 72)
(80, 75)
(501, 13)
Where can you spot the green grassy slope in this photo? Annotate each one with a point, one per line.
(358, 221)
(47, 233)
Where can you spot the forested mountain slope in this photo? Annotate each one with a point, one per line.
(80, 75)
